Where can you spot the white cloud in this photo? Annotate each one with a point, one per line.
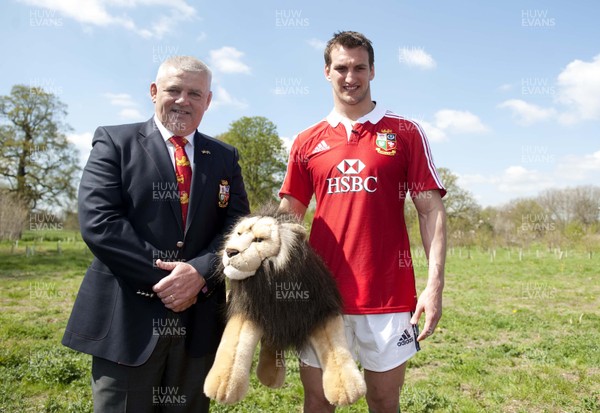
(578, 95)
(102, 13)
(317, 44)
(131, 114)
(527, 113)
(221, 97)
(455, 122)
(228, 60)
(120, 99)
(466, 180)
(83, 143)
(459, 122)
(519, 181)
(287, 142)
(433, 133)
(514, 180)
(579, 90)
(579, 168)
(416, 57)
(129, 110)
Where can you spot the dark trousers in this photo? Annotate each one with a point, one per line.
(169, 382)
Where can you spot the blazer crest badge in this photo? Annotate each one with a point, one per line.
(224, 193)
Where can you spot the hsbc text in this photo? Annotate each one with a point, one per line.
(354, 183)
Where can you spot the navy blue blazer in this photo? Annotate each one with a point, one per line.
(130, 215)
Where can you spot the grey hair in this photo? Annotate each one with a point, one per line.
(186, 64)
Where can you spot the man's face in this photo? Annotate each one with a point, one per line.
(350, 75)
(180, 99)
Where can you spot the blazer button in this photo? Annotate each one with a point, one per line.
(179, 244)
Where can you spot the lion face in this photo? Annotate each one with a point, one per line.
(256, 239)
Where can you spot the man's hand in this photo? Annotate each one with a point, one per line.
(178, 290)
(430, 302)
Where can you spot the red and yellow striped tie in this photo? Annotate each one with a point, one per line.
(183, 172)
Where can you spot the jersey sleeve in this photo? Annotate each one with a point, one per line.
(297, 182)
(422, 174)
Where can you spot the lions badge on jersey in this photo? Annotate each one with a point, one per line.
(386, 142)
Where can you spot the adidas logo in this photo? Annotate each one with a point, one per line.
(322, 146)
(405, 339)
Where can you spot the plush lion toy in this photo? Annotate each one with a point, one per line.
(283, 295)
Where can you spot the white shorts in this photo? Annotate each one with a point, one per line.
(380, 342)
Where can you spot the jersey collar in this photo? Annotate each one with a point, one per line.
(374, 116)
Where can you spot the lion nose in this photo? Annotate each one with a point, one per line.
(231, 252)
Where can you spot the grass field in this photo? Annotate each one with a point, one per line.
(520, 333)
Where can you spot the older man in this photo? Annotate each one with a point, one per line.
(155, 200)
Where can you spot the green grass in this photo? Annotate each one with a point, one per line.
(37, 374)
(517, 335)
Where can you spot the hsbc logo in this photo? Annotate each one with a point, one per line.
(351, 166)
(350, 181)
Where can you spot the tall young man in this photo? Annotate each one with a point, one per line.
(360, 163)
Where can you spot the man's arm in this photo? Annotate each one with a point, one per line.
(291, 205)
(103, 217)
(432, 224)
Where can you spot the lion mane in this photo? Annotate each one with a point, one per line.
(291, 293)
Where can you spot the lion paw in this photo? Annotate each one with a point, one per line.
(272, 377)
(344, 386)
(224, 389)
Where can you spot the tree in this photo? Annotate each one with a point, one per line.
(13, 215)
(528, 221)
(462, 210)
(485, 233)
(459, 202)
(37, 162)
(585, 204)
(580, 204)
(262, 156)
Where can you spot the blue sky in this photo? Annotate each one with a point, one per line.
(508, 92)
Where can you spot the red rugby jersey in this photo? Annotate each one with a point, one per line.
(360, 176)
